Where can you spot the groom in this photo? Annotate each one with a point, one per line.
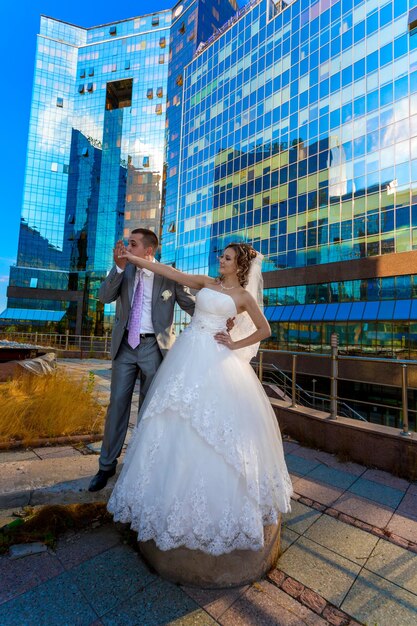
(142, 334)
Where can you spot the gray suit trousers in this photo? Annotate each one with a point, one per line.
(129, 362)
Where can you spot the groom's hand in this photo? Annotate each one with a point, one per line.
(230, 324)
(118, 251)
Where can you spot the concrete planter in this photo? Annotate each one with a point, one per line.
(197, 569)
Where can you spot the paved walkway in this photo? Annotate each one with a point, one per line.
(349, 552)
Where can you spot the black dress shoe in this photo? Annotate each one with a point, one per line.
(99, 481)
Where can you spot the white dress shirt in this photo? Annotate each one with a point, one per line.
(146, 325)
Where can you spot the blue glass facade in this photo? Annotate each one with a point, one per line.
(193, 22)
(94, 163)
(300, 136)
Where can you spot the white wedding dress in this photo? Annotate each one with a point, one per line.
(205, 466)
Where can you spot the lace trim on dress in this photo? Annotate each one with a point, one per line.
(188, 522)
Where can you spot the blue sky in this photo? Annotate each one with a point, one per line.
(20, 22)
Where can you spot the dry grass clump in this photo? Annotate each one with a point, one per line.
(35, 407)
(49, 522)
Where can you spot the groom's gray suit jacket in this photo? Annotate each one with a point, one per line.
(119, 286)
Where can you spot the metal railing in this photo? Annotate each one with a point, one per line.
(332, 403)
(294, 393)
(84, 344)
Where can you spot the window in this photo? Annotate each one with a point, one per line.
(155, 20)
(84, 152)
(145, 161)
(119, 94)
(33, 283)
(179, 81)
(159, 92)
(149, 94)
(113, 67)
(112, 30)
(161, 59)
(171, 228)
(80, 88)
(181, 29)
(127, 64)
(412, 19)
(158, 109)
(162, 42)
(54, 167)
(82, 73)
(91, 71)
(60, 102)
(90, 87)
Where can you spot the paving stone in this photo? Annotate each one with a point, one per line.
(290, 446)
(21, 550)
(75, 549)
(332, 476)
(215, 601)
(16, 456)
(56, 452)
(20, 575)
(196, 618)
(292, 587)
(360, 508)
(94, 447)
(157, 604)
(378, 476)
(395, 564)
(412, 489)
(377, 492)
(314, 455)
(56, 602)
(266, 605)
(111, 578)
(300, 518)
(288, 537)
(316, 567)
(318, 491)
(374, 600)
(408, 507)
(298, 465)
(276, 576)
(348, 541)
(313, 600)
(403, 526)
(335, 617)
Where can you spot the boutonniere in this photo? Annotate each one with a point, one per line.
(165, 295)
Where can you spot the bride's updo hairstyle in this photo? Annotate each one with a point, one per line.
(244, 257)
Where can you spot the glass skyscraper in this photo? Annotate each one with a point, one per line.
(300, 136)
(96, 155)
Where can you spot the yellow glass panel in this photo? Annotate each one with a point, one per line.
(359, 206)
(302, 219)
(283, 192)
(334, 214)
(292, 224)
(346, 211)
(402, 241)
(372, 201)
(302, 185)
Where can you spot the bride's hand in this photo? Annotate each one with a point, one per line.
(124, 254)
(225, 340)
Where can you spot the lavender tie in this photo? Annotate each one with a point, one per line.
(133, 337)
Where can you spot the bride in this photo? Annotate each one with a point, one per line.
(205, 466)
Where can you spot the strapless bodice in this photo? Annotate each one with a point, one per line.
(212, 310)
